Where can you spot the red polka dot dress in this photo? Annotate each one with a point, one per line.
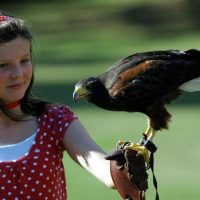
(39, 174)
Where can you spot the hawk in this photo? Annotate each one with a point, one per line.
(144, 82)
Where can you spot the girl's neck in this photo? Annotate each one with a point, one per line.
(12, 105)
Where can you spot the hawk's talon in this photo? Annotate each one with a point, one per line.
(121, 144)
(140, 149)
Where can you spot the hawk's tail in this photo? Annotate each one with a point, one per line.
(191, 86)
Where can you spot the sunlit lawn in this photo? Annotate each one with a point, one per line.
(176, 161)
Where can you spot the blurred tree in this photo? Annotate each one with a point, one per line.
(166, 19)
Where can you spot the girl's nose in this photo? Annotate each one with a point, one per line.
(16, 71)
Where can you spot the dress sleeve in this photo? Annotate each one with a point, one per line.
(60, 116)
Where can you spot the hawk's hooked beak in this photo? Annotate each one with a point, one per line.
(80, 93)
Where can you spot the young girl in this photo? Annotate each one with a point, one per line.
(34, 133)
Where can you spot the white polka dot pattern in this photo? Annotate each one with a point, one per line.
(40, 174)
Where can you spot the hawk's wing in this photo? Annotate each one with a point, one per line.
(112, 74)
(150, 80)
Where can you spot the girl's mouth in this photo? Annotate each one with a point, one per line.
(16, 86)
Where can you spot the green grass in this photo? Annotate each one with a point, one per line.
(176, 160)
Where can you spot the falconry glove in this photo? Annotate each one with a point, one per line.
(128, 172)
(133, 163)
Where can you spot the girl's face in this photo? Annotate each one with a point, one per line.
(15, 69)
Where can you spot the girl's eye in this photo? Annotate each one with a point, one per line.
(3, 65)
(25, 60)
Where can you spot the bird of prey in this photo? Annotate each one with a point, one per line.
(144, 82)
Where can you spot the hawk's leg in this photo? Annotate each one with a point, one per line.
(150, 132)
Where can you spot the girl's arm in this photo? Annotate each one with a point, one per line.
(87, 153)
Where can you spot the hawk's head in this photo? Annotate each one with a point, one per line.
(85, 88)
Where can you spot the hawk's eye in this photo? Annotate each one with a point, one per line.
(89, 84)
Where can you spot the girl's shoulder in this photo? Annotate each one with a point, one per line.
(59, 111)
(56, 119)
